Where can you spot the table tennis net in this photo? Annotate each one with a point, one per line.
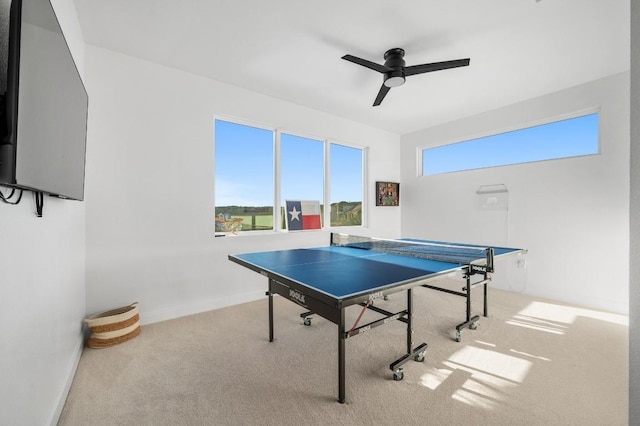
(443, 252)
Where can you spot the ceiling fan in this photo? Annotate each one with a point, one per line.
(394, 71)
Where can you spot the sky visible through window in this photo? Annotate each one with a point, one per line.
(243, 165)
(561, 139)
(250, 150)
(345, 173)
(301, 168)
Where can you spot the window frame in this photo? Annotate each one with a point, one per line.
(247, 123)
(278, 171)
(363, 182)
(512, 128)
(277, 196)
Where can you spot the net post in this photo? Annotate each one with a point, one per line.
(490, 259)
(335, 239)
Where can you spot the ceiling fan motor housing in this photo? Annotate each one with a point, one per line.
(394, 59)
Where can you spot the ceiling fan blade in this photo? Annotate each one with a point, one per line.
(368, 64)
(381, 94)
(435, 66)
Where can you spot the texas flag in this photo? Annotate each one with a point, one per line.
(302, 215)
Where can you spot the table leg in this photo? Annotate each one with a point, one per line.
(270, 294)
(486, 309)
(471, 322)
(417, 353)
(409, 320)
(341, 358)
(468, 289)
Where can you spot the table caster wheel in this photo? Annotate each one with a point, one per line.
(419, 357)
(473, 325)
(307, 321)
(458, 336)
(398, 374)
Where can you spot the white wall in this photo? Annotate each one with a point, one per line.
(572, 214)
(150, 187)
(42, 292)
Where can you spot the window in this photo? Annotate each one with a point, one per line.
(560, 139)
(301, 170)
(244, 170)
(258, 169)
(346, 188)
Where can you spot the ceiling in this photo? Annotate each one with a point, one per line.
(292, 49)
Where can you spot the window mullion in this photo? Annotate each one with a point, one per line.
(277, 215)
(365, 192)
(327, 184)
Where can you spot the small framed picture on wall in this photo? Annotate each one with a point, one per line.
(387, 194)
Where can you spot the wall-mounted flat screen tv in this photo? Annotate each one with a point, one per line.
(43, 103)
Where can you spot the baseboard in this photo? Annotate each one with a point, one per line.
(62, 396)
(150, 317)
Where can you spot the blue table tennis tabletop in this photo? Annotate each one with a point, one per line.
(342, 272)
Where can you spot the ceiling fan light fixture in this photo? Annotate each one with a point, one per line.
(394, 81)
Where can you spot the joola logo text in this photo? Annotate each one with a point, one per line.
(296, 295)
(480, 268)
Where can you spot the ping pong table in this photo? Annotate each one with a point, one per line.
(355, 270)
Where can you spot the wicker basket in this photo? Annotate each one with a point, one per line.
(115, 326)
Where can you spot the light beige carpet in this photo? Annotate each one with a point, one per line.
(531, 362)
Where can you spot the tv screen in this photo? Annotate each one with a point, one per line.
(45, 104)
